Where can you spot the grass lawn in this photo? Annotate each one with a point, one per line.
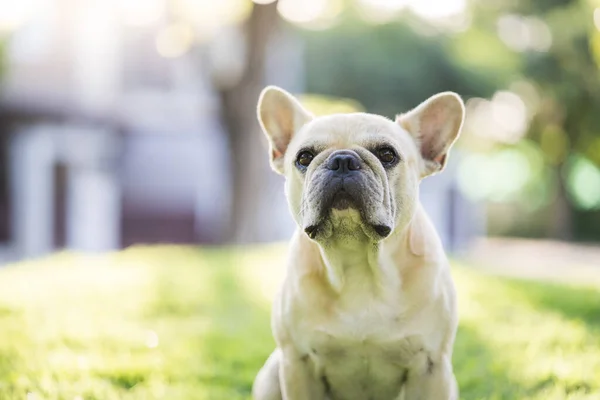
(182, 323)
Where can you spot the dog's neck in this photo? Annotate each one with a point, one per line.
(341, 258)
(378, 263)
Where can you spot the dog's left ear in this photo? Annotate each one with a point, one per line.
(435, 124)
(280, 116)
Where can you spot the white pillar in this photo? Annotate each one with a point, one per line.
(93, 210)
(93, 201)
(32, 191)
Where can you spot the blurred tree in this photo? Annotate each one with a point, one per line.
(388, 68)
(566, 75)
(4, 183)
(238, 110)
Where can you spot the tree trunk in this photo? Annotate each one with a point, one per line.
(561, 220)
(247, 146)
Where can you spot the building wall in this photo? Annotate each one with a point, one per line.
(4, 187)
(174, 187)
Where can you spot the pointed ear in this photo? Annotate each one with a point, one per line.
(280, 116)
(435, 124)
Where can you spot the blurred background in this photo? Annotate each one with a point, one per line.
(133, 121)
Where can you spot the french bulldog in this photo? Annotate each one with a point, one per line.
(367, 310)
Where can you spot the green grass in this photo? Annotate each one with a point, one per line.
(181, 323)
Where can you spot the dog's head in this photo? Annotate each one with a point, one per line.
(356, 174)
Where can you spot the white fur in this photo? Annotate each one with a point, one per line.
(359, 318)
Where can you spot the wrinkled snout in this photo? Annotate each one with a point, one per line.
(345, 181)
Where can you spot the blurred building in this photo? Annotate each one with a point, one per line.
(106, 141)
(109, 140)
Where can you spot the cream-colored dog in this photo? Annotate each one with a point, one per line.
(367, 310)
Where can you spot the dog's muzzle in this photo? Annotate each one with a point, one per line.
(344, 183)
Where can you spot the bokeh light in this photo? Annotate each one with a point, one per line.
(141, 12)
(524, 33)
(14, 14)
(583, 183)
(208, 17)
(504, 118)
(313, 14)
(438, 9)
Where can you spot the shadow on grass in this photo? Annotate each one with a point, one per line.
(543, 336)
(574, 303)
(479, 371)
(485, 373)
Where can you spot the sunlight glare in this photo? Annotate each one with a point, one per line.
(174, 40)
(141, 12)
(83, 363)
(443, 12)
(386, 5)
(437, 9)
(380, 11)
(151, 339)
(15, 13)
(261, 273)
(314, 14)
(208, 16)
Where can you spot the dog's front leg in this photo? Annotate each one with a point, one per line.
(434, 382)
(298, 380)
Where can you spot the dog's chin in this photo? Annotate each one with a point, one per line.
(325, 230)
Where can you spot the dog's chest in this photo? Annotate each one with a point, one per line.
(364, 352)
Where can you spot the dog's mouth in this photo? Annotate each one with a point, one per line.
(342, 200)
(346, 207)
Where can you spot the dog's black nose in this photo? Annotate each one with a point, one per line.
(343, 162)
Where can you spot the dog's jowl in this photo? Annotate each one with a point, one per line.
(367, 310)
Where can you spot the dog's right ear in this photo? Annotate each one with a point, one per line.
(280, 116)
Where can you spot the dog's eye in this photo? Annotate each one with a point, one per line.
(386, 155)
(304, 159)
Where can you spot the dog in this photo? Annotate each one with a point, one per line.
(367, 310)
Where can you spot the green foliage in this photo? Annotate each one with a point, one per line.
(182, 323)
(388, 68)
